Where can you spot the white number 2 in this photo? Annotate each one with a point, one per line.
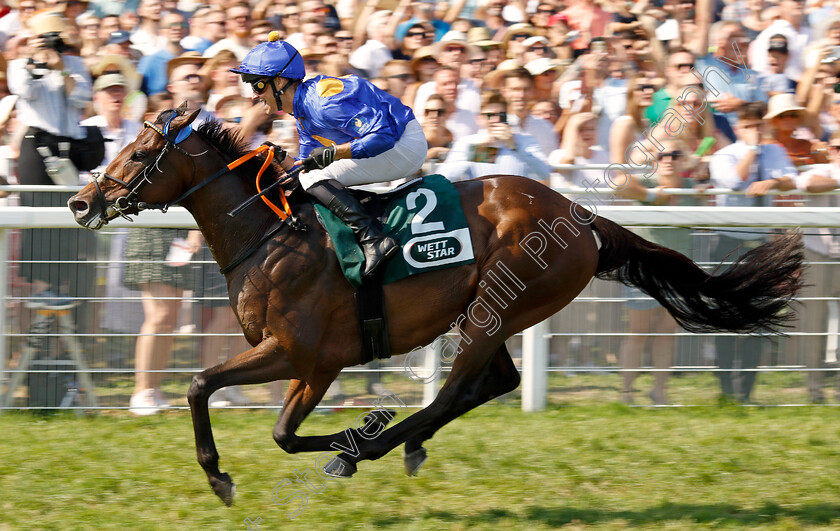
(418, 222)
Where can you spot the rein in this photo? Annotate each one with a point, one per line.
(124, 203)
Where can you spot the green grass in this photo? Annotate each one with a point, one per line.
(588, 467)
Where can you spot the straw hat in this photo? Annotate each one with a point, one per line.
(516, 29)
(459, 38)
(480, 36)
(118, 63)
(421, 53)
(47, 21)
(185, 58)
(781, 103)
(493, 78)
(543, 65)
(110, 80)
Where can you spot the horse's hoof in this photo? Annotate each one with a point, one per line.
(225, 489)
(414, 461)
(339, 467)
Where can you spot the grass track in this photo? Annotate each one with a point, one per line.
(589, 467)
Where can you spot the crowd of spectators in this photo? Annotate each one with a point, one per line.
(746, 91)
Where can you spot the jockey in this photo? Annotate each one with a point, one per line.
(371, 136)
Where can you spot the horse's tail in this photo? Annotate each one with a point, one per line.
(750, 296)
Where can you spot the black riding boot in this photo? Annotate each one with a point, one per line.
(376, 246)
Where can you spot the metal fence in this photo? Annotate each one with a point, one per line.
(574, 357)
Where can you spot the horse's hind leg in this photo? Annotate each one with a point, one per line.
(261, 364)
(500, 377)
(465, 388)
(301, 399)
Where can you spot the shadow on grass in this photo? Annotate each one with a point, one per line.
(808, 514)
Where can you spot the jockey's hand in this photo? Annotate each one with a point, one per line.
(319, 158)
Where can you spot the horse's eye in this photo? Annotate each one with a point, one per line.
(138, 156)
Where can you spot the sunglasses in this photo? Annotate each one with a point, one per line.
(401, 77)
(421, 34)
(192, 78)
(672, 154)
(177, 25)
(435, 112)
(830, 146)
(520, 36)
(344, 38)
(258, 85)
(643, 88)
(685, 66)
(450, 49)
(538, 49)
(502, 115)
(546, 11)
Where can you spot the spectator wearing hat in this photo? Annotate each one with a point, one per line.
(109, 93)
(454, 51)
(535, 48)
(788, 22)
(376, 51)
(207, 26)
(119, 43)
(134, 105)
(53, 89)
(186, 84)
(496, 148)
(493, 52)
(153, 67)
(423, 65)
(513, 38)
(544, 72)
(774, 80)
(237, 32)
(148, 37)
(419, 34)
(423, 12)
(786, 119)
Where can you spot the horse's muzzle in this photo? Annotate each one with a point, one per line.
(85, 213)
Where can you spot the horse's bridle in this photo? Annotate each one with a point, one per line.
(129, 201)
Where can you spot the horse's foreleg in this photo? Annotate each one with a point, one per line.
(301, 399)
(261, 364)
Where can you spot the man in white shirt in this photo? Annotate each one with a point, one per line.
(496, 149)
(822, 250)
(238, 31)
(460, 122)
(517, 88)
(454, 51)
(374, 53)
(789, 24)
(747, 165)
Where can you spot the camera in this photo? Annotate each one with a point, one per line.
(54, 41)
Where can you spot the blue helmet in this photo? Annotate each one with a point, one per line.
(273, 58)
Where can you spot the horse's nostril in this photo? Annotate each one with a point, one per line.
(79, 206)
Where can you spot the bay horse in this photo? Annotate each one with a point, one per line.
(297, 312)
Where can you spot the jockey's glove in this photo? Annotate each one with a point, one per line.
(319, 158)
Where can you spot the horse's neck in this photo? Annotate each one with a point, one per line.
(228, 237)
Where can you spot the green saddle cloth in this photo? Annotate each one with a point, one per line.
(425, 217)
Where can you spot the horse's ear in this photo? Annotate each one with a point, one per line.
(184, 120)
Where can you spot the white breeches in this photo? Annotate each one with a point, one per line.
(406, 157)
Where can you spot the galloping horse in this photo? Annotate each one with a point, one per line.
(297, 311)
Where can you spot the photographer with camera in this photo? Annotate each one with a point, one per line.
(53, 89)
(495, 149)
